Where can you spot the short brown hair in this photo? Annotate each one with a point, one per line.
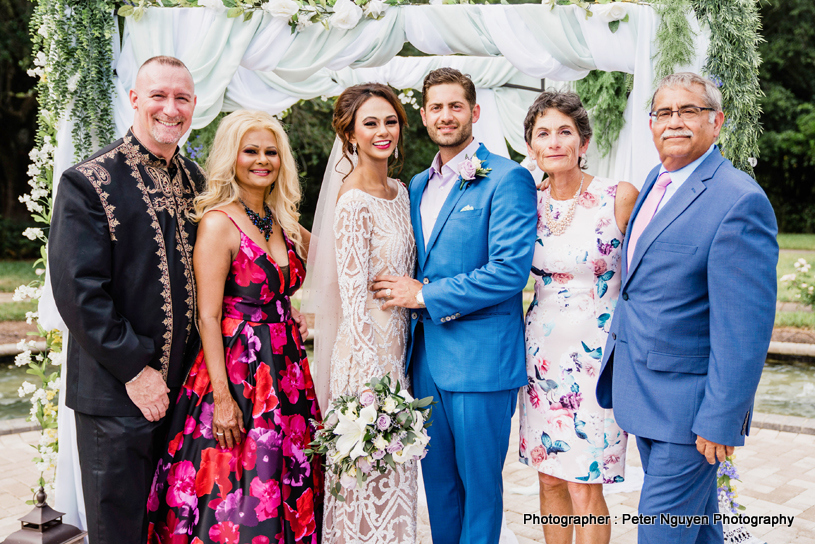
(441, 76)
(165, 60)
(567, 103)
(345, 115)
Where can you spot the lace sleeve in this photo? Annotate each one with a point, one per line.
(353, 225)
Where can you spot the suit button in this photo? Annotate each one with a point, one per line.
(625, 296)
(414, 315)
(614, 336)
(458, 315)
(426, 281)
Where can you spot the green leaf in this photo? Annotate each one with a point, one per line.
(421, 403)
(613, 26)
(138, 14)
(247, 16)
(626, 18)
(234, 12)
(125, 11)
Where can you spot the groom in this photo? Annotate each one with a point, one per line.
(475, 232)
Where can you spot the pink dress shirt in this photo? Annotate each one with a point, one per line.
(442, 180)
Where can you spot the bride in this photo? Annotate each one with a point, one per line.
(372, 235)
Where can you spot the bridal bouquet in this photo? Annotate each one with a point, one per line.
(369, 433)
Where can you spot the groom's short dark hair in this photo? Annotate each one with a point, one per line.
(441, 76)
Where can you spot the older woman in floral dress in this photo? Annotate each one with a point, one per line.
(575, 445)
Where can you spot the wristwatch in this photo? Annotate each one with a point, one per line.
(420, 299)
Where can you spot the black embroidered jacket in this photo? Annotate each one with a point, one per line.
(120, 259)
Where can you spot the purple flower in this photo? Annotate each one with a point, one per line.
(383, 422)
(367, 398)
(395, 446)
(269, 443)
(364, 465)
(571, 401)
(206, 419)
(238, 509)
(299, 469)
(378, 454)
(466, 169)
(187, 519)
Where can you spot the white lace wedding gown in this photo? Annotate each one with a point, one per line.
(373, 237)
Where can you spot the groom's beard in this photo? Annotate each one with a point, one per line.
(451, 139)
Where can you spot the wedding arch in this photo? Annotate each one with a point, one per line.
(270, 54)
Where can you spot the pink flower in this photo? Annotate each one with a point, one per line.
(562, 277)
(181, 484)
(367, 398)
(292, 381)
(269, 495)
(538, 455)
(225, 532)
(559, 418)
(600, 267)
(466, 170)
(587, 200)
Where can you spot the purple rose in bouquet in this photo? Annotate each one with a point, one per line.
(383, 422)
(367, 398)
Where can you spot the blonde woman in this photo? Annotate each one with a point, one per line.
(235, 467)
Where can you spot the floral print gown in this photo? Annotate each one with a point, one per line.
(564, 432)
(264, 490)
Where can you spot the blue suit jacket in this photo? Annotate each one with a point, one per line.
(693, 322)
(474, 268)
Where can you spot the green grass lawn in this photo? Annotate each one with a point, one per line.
(15, 311)
(14, 274)
(801, 320)
(797, 241)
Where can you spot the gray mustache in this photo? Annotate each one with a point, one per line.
(673, 133)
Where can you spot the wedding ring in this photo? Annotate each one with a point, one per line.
(387, 293)
(219, 434)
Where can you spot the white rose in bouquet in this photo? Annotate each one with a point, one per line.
(346, 15)
(375, 8)
(609, 12)
(281, 8)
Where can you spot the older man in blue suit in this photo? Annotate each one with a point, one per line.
(474, 217)
(692, 326)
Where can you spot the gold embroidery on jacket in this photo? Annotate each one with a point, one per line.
(99, 176)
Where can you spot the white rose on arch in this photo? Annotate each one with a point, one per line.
(613, 11)
(346, 15)
(281, 8)
(375, 9)
(217, 5)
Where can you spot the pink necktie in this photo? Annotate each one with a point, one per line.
(647, 212)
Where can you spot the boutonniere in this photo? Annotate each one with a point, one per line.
(469, 169)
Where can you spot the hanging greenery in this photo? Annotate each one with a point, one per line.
(605, 95)
(733, 62)
(674, 37)
(72, 49)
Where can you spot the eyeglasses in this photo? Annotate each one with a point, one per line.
(688, 113)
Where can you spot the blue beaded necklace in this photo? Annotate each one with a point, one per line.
(264, 224)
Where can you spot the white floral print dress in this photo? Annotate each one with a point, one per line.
(564, 432)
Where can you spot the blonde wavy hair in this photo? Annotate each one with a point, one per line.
(222, 185)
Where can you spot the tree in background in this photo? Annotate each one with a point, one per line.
(786, 167)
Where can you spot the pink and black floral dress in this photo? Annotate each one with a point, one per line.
(264, 490)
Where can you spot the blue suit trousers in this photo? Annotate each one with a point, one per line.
(678, 481)
(469, 438)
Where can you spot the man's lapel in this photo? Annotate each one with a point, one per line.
(417, 186)
(679, 202)
(451, 201)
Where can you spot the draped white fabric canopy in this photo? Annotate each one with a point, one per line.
(261, 64)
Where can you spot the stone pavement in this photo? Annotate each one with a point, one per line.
(777, 472)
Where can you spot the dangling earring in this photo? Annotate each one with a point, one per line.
(582, 162)
(396, 153)
(354, 149)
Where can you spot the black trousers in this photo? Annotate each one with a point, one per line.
(118, 457)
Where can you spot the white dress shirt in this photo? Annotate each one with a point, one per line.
(442, 179)
(679, 177)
